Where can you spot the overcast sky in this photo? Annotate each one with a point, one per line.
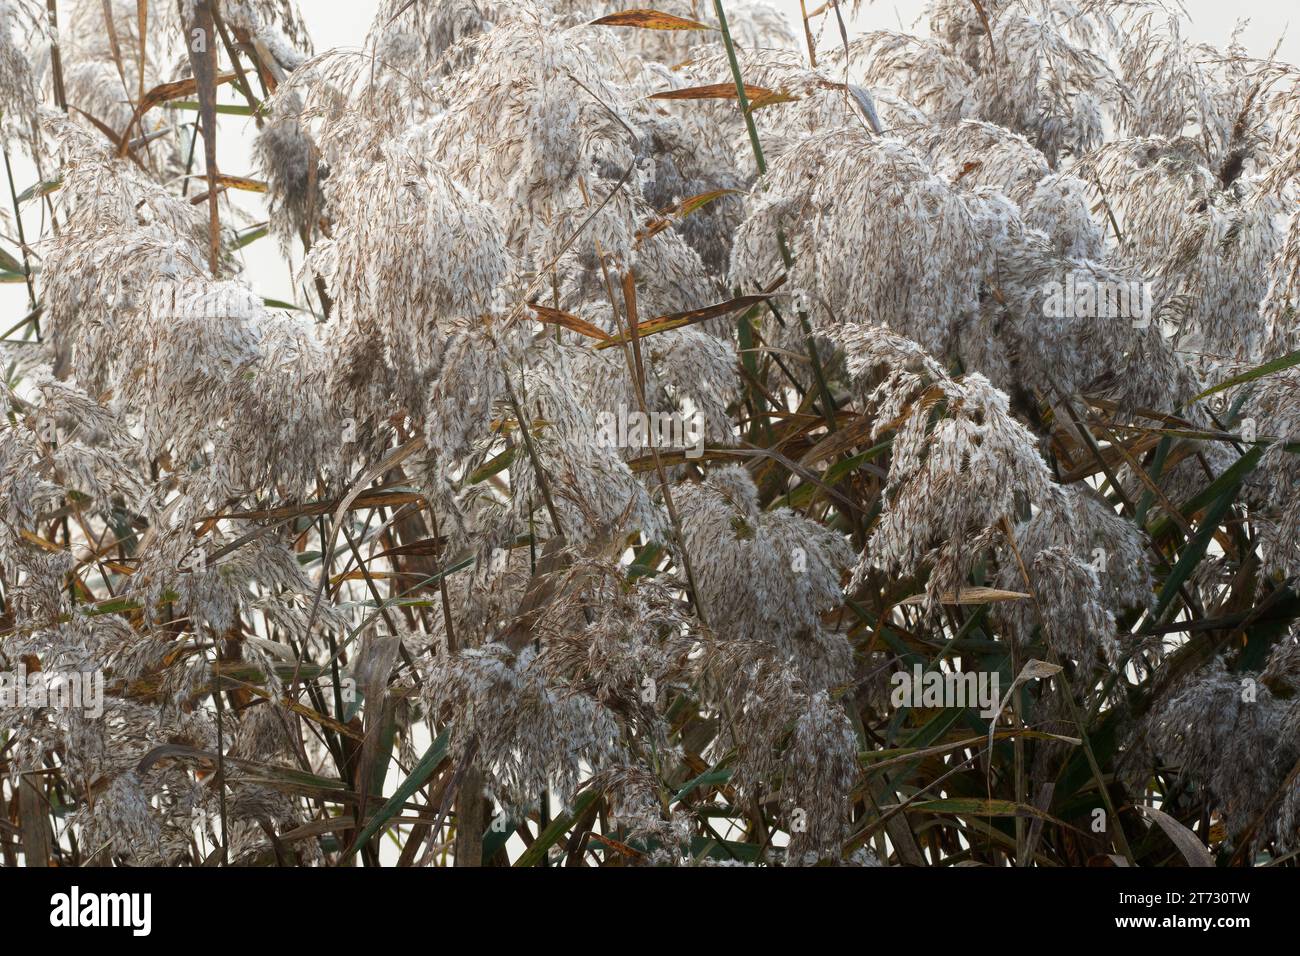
(344, 22)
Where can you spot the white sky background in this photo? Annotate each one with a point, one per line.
(344, 22)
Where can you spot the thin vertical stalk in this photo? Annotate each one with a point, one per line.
(56, 57)
(142, 32)
(633, 332)
(828, 404)
(221, 759)
(22, 241)
(741, 97)
(542, 482)
(807, 32)
(203, 58)
(1067, 692)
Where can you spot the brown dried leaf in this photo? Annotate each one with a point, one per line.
(648, 20)
(164, 92)
(771, 99)
(569, 321)
(677, 320)
(712, 91)
(1188, 843)
(971, 596)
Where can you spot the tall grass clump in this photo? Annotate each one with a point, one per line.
(688, 444)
